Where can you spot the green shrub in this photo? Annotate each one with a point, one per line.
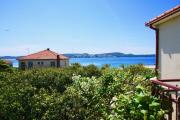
(4, 67)
(78, 93)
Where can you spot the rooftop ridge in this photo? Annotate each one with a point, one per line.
(54, 53)
(35, 53)
(44, 54)
(163, 15)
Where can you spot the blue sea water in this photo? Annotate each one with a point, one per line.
(113, 61)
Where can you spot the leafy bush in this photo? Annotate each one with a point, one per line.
(86, 71)
(4, 67)
(78, 92)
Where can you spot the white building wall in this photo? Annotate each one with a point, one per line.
(46, 63)
(169, 49)
(64, 63)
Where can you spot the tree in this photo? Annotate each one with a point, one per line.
(4, 67)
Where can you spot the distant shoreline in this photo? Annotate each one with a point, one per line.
(112, 61)
(150, 66)
(86, 55)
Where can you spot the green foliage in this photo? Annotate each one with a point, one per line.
(140, 105)
(79, 93)
(86, 71)
(4, 67)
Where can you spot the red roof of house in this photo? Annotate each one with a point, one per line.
(44, 55)
(164, 15)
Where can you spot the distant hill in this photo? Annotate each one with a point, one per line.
(86, 55)
(8, 57)
(113, 54)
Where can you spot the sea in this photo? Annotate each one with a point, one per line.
(112, 61)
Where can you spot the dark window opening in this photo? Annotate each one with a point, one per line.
(22, 65)
(30, 64)
(52, 64)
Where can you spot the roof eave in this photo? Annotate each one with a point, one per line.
(161, 19)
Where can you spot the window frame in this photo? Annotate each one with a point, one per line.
(52, 64)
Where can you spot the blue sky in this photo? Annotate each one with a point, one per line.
(79, 26)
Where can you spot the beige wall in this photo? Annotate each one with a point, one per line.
(46, 63)
(169, 49)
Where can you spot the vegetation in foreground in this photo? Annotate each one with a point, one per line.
(78, 93)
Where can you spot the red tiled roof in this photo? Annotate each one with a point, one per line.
(164, 15)
(43, 55)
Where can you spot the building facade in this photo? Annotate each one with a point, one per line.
(167, 27)
(42, 59)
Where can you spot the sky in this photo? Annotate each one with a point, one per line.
(79, 26)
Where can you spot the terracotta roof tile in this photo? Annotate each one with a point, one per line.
(164, 15)
(43, 55)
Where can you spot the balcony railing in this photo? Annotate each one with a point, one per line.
(168, 93)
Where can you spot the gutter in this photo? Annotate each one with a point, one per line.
(157, 47)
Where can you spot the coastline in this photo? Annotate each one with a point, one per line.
(150, 66)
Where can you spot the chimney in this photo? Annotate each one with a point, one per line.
(48, 49)
(58, 61)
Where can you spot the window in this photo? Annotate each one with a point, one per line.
(22, 65)
(52, 64)
(40, 63)
(30, 64)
